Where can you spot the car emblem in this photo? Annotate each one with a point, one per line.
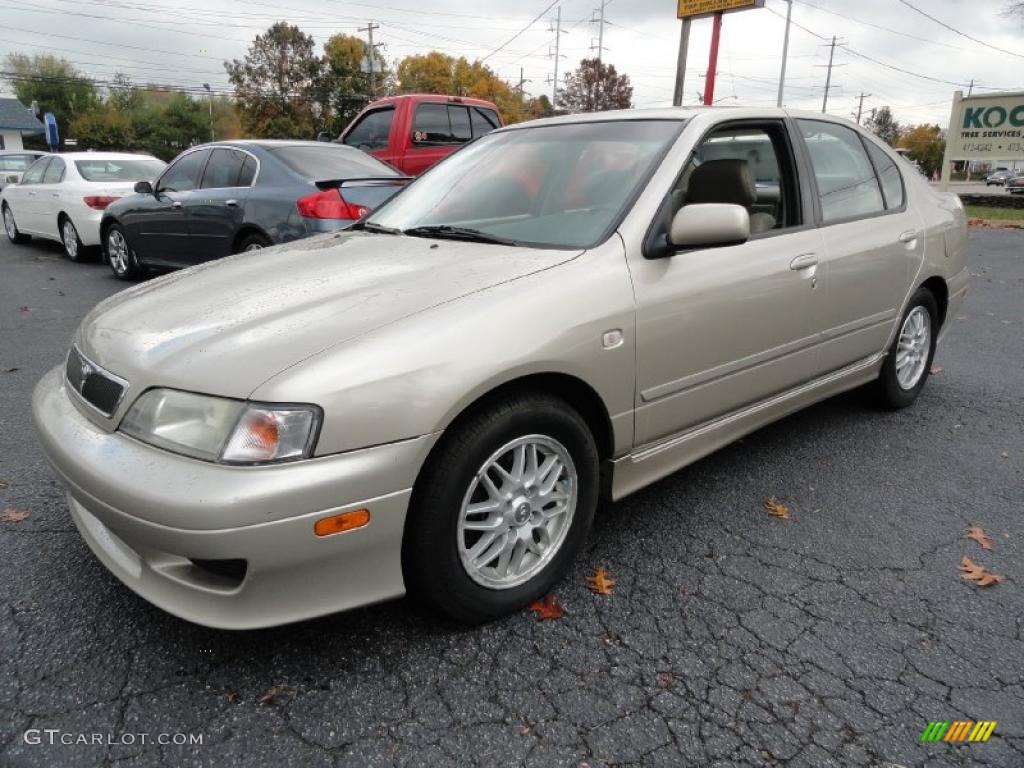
(87, 370)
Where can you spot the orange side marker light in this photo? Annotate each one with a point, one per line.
(346, 521)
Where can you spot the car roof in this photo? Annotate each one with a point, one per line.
(268, 144)
(105, 156)
(23, 152)
(439, 98)
(678, 113)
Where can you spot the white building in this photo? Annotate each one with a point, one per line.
(16, 120)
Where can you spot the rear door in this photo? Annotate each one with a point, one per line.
(215, 213)
(162, 224)
(438, 129)
(873, 244)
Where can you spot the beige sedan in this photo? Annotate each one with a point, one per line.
(429, 403)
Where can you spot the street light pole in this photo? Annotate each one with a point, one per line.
(785, 51)
(210, 91)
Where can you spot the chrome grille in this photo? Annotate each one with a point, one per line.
(99, 388)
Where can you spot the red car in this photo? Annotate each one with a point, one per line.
(414, 131)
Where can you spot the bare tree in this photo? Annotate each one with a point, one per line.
(1014, 8)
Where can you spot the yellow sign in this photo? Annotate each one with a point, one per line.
(690, 8)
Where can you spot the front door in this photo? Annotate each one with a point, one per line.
(162, 224)
(24, 198)
(215, 212)
(724, 327)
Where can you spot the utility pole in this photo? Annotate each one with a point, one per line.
(558, 43)
(785, 51)
(600, 31)
(828, 78)
(210, 91)
(371, 62)
(684, 47)
(860, 105)
(970, 90)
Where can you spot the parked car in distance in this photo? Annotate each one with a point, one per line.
(13, 163)
(62, 197)
(999, 178)
(232, 196)
(1015, 185)
(415, 131)
(432, 401)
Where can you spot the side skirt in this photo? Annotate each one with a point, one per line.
(651, 463)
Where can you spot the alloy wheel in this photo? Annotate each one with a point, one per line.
(9, 225)
(517, 512)
(70, 237)
(117, 251)
(913, 348)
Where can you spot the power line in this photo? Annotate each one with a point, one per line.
(957, 31)
(517, 34)
(877, 26)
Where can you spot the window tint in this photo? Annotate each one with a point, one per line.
(54, 171)
(320, 162)
(248, 173)
(16, 162)
(459, 119)
(224, 168)
(183, 173)
(431, 126)
(34, 174)
(143, 169)
(484, 121)
(847, 183)
(892, 182)
(748, 166)
(372, 130)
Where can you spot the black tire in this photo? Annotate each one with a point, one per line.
(125, 266)
(73, 249)
(887, 388)
(15, 236)
(431, 561)
(253, 242)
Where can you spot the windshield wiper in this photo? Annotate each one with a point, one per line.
(458, 233)
(380, 229)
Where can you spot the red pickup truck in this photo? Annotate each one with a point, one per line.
(414, 131)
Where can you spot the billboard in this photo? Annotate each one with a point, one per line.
(989, 127)
(689, 9)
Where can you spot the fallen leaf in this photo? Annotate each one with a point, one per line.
(272, 692)
(600, 584)
(977, 573)
(1005, 455)
(935, 370)
(232, 697)
(978, 535)
(11, 515)
(665, 679)
(4, 484)
(776, 508)
(25, 308)
(548, 608)
(12, 370)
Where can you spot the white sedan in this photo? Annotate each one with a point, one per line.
(62, 197)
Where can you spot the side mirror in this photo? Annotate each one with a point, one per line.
(709, 224)
(323, 136)
(143, 188)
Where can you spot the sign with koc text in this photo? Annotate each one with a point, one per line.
(689, 9)
(989, 127)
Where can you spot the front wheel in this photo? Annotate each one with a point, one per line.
(909, 360)
(502, 507)
(253, 242)
(12, 228)
(123, 262)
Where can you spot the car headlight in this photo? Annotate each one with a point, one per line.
(222, 430)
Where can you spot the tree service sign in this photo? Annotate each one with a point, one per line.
(989, 127)
(689, 9)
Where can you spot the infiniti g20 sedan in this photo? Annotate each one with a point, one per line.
(224, 198)
(426, 403)
(62, 197)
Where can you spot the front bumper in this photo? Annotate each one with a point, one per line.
(148, 514)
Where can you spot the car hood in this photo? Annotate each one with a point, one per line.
(224, 328)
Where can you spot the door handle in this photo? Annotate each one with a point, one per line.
(176, 204)
(55, 194)
(909, 236)
(31, 194)
(231, 203)
(804, 261)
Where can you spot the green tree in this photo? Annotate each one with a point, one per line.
(279, 85)
(884, 126)
(54, 84)
(436, 72)
(925, 146)
(595, 87)
(346, 88)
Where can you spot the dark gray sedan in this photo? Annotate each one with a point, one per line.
(227, 197)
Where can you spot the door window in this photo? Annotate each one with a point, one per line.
(248, 173)
(54, 171)
(441, 124)
(747, 165)
(892, 181)
(847, 185)
(372, 130)
(34, 174)
(183, 173)
(224, 168)
(484, 121)
(459, 119)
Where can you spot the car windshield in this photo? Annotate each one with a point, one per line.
(330, 161)
(562, 186)
(143, 169)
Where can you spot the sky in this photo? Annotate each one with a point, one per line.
(186, 42)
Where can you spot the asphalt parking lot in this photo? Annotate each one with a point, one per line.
(731, 637)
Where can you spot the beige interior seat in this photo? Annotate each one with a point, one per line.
(728, 181)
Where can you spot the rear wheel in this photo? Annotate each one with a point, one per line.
(11, 228)
(72, 242)
(253, 242)
(909, 361)
(502, 507)
(123, 262)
